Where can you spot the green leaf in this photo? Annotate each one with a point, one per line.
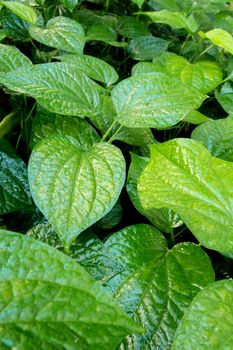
(205, 75)
(48, 301)
(2, 35)
(69, 4)
(11, 58)
(175, 20)
(130, 27)
(72, 186)
(225, 97)
(154, 285)
(163, 219)
(47, 124)
(62, 33)
(58, 87)
(14, 188)
(183, 176)
(135, 136)
(144, 48)
(195, 117)
(217, 136)
(21, 10)
(221, 38)
(139, 3)
(110, 220)
(14, 26)
(93, 67)
(208, 322)
(154, 100)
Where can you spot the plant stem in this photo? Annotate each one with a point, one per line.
(115, 133)
(108, 131)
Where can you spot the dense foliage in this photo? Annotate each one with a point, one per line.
(116, 168)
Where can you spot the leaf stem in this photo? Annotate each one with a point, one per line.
(115, 133)
(108, 131)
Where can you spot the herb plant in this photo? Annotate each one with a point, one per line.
(116, 192)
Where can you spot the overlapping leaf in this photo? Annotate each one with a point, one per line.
(195, 185)
(11, 58)
(22, 10)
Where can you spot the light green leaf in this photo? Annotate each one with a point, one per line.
(2, 35)
(144, 48)
(225, 97)
(205, 75)
(183, 176)
(208, 322)
(48, 301)
(93, 67)
(14, 189)
(195, 117)
(23, 11)
(154, 100)
(175, 20)
(69, 4)
(74, 187)
(11, 58)
(154, 285)
(47, 124)
(130, 27)
(217, 136)
(58, 87)
(62, 33)
(221, 38)
(163, 219)
(139, 3)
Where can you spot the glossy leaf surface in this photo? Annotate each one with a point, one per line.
(48, 300)
(74, 187)
(11, 58)
(208, 322)
(57, 87)
(62, 33)
(154, 100)
(221, 38)
(144, 48)
(23, 11)
(195, 185)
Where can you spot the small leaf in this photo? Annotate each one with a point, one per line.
(154, 100)
(47, 124)
(58, 87)
(144, 48)
(217, 136)
(14, 189)
(135, 136)
(163, 219)
(139, 3)
(62, 33)
(130, 27)
(208, 322)
(175, 20)
(48, 300)
(153, 284)
(74, 187)
(93, 67)
(195, 117)
(183, 176)
(221, 38)
(225, 97)
(11, 58)
(22, 10)
(69, 4)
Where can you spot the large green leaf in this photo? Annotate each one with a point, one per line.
(48, 301)
(131, 27)
(72, 186)
(221, 38)
(144, 48)
(163, 219)
(23, 11)
(62, 33)
(14, 188)
(208, 322)
(93, 67)
(46, 124)
(217, 136)
(58, 87)
(11, 58)
(183, 176)
(203, 75)
(154, 100)
(154, 285)
(174, 19)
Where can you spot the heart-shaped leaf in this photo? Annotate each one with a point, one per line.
(183, 176)
(62, 33)
(208, 322)
(72, 186)
(48, 301)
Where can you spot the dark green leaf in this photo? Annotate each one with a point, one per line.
(21, 10)
(14, 26)
(144, 48)
(130, 27)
